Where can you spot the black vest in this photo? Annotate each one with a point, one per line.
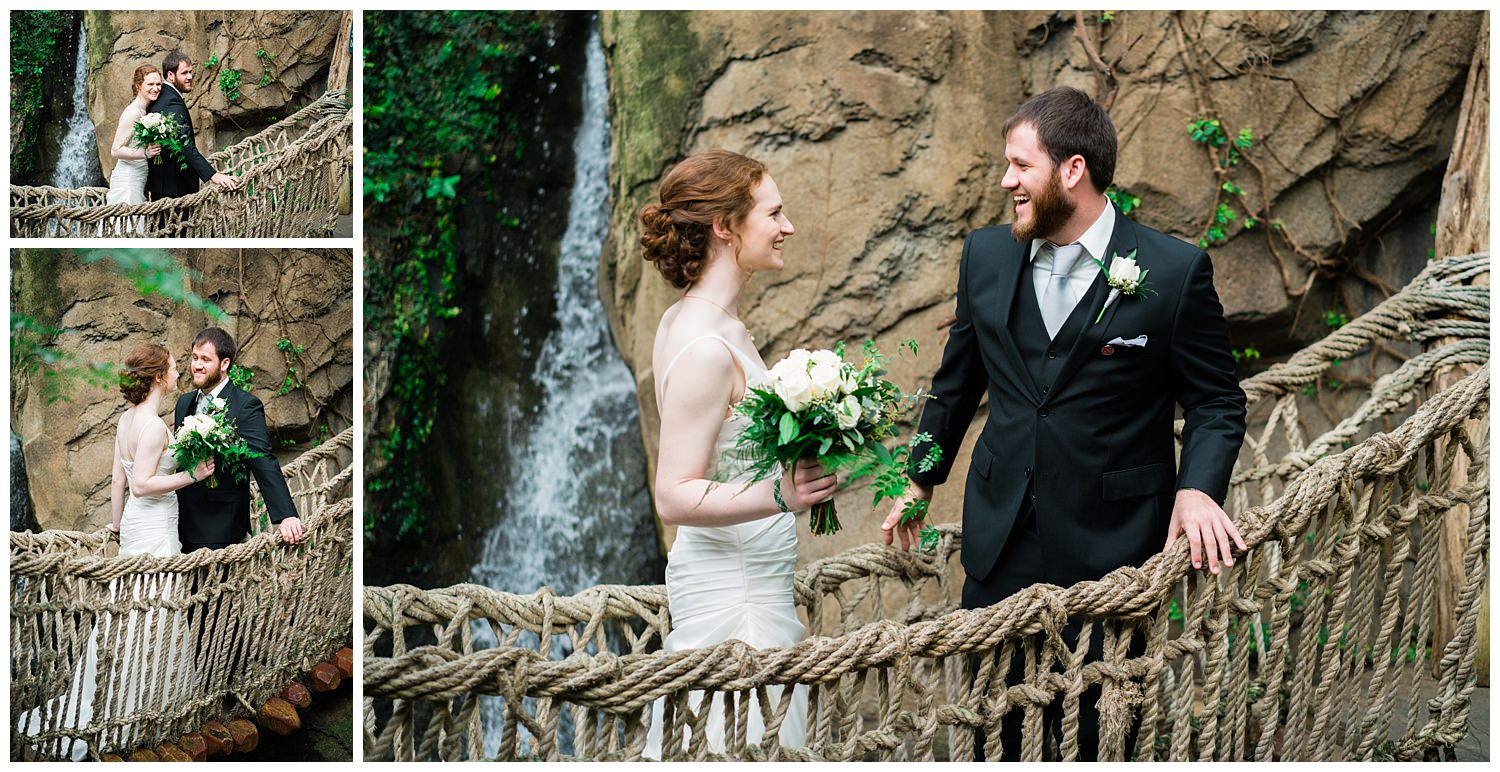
(1045, 358)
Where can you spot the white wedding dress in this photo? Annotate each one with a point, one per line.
(733, 582)
(151, 680)
(127, 183)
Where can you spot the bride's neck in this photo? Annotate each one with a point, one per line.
(721, 282)
(152, 402)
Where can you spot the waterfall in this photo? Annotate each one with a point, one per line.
(576, 511)
(78, 155)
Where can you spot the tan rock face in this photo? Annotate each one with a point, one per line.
(299, 44)
(303, 296)
(882, 130)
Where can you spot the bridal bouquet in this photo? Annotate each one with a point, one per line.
(816, 405)
(211, 434)
(164, 130)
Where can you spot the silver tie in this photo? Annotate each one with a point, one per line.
(1057, 300)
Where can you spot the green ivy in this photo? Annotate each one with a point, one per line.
(229, 82)
(417, 138)
(1123, 199)
(38, 45)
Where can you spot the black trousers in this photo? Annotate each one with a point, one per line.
(1020, 565)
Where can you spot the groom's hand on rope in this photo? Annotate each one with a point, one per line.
(1208, 529)
(290, 530)
(909, 531)
(224, 181)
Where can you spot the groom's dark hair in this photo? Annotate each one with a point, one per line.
(173, 61)
(1069, 122)
(223, 344)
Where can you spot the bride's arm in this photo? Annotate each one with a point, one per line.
(121, 148)
(692, 413)
(144, 480)
(116, 494)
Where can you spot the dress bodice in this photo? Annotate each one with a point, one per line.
(148, 525)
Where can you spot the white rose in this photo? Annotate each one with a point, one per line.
(217, 403)
(151, 120)
(1124, 271)
(790, 381)
(826, 373)
(848, 412)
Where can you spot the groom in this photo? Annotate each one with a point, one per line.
(220, 516)
(168, 179)
(1074, 473)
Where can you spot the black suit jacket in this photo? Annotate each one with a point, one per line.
(221, 515)
(168, 179)
(1096, 449)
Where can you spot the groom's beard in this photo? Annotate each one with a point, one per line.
(1050, 210)
(210, 382)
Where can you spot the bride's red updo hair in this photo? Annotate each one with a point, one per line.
(147, 362)
(712, 186)
(140, 77)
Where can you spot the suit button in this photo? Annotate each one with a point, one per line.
(1045, 389)
(1051, 354)
(1043, 412)
(1028, 471)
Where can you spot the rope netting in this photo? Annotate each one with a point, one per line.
(1315, 646)
(291, 176)
(111, 653)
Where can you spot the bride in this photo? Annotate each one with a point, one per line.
(127, 184)
(143, 509)
(729, 571)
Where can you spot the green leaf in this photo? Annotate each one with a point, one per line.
(789, 428)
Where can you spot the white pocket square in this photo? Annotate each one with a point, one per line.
(1139, 340)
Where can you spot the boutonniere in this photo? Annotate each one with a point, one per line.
(1124, 278)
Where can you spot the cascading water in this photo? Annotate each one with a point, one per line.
(575, 511)
(78, 155)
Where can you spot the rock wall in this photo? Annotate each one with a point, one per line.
(303, 296)
(882, 130)
(299, 45)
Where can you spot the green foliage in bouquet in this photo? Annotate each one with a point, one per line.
(162, 129)
(211, 434)
(815, 405)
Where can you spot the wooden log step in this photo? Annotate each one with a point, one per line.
(194, 745)
(324, 677)
(110, 757)
(170, 752)
(279, 716)
(344, 661)
(216, 736)
(143, 754)
(297, 695)
(245, 735)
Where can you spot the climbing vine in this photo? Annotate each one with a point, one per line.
(422, 142)
(38, 45)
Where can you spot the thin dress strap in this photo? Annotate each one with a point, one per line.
(739, 356)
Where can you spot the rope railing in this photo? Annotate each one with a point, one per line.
(290, 175)
(167, 644)
(1312, 647)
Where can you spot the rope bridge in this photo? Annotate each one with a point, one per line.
(1312, 647)
(176, 641)
(290, 174)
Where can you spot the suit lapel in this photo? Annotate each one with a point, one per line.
(1009, 280)
(1121, 242)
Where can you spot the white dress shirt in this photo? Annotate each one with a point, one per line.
(203, 398)
(1095, 242)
